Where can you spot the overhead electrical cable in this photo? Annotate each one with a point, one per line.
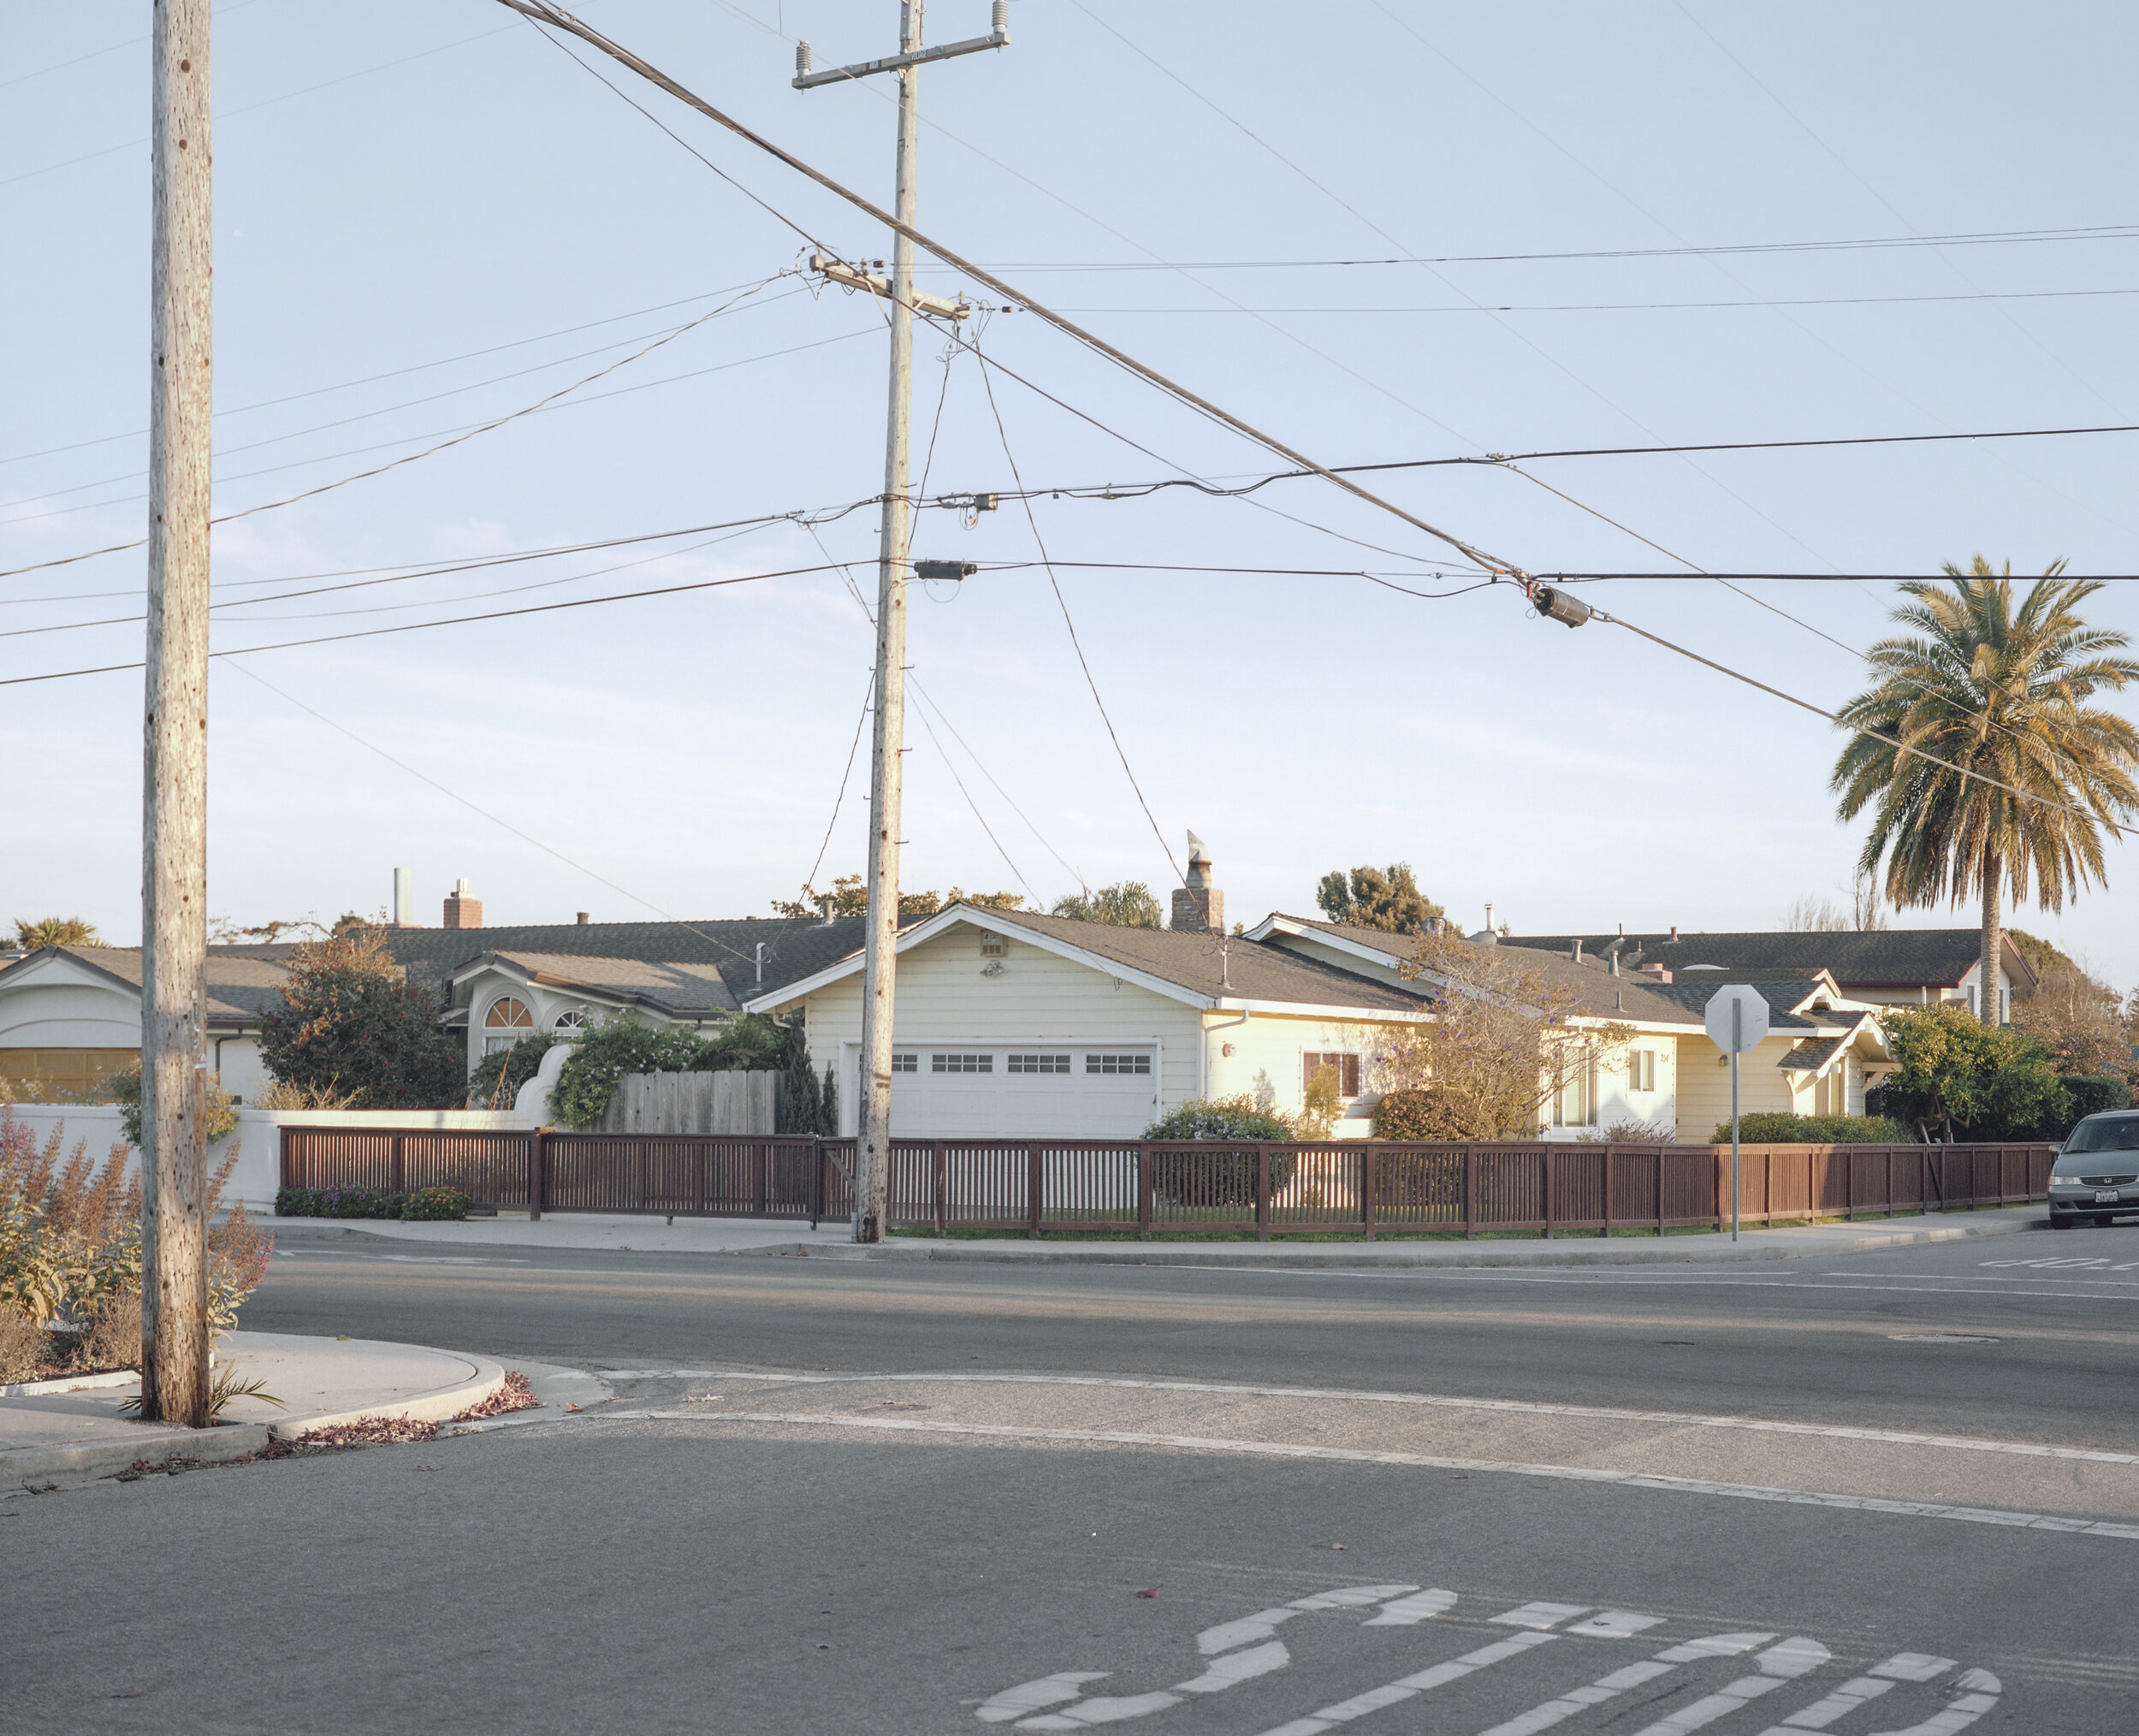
(1062, 603)
(411, 458)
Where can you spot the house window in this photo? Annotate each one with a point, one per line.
(1574, 1104)
(905, 1064)
(1348, 1071)
(1117, 1064)
(993, 945)
(1641, 1069)
(2005, 1006)
(962, 1064)
(570, 1023)
(507, 1021)
(1039, 1064)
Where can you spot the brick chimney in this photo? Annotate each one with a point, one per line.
(1199, 906)
(461, 910)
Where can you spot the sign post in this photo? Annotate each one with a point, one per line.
(1737, 1019)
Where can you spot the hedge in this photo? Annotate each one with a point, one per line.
(426, 1205)
(1768, 1129)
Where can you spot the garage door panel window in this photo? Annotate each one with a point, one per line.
(962, 1064)
(1039, 1064)
(1117, 1064)
(905, 1064)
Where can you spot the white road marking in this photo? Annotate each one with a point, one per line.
(1613, 1624)
(1033, 1696)
(1778, 1664)
(1433, 1401)
(1406, 1612)
(1542, 1615)
(1941, 1338)
(1344, 1711)
(1632, 1676)
(1980, 1692)
(1086, 1713)
(1355, 1456)
(1903, 1667)
(1238, 1666)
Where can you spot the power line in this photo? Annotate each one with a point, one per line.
(420, 626)
(1062, 602)
(1579, 577)
(1639, 306)
(868, 693)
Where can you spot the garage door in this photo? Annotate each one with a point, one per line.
(1062, 1091)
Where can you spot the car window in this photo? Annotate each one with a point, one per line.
(2108, 1133)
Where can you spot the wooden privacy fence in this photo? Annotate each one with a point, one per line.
(1148, 1186)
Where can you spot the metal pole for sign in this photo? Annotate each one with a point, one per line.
(1737, 1037)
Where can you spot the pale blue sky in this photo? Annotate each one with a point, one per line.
(400, 184)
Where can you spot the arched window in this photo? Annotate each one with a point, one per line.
(571, 1022)
(505, 1022)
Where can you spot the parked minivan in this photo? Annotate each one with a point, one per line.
(2096, 1175)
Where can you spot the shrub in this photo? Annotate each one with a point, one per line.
(753, 1043)
(125, 1090)
(1970, 1080)
(436, 1206)
(338, 1202)
(1630, 1130)
(1219, 1176)
(350, 1019)
(26, 1348)
(1768, 1128)
(112, 1339)
(588, 1082)
(2094, 1094)
(1410, 1115)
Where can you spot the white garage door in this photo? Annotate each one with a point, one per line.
(1067, 1091)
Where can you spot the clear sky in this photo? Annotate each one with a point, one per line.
(426, 217)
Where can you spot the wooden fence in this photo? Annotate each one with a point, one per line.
(1146, 1187)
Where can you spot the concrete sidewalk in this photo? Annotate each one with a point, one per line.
(322, 1381)
(765, 1238)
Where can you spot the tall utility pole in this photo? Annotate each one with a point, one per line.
(175, 760)
(873, 1149)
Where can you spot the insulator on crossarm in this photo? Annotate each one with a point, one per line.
(802, 60)
(1001, 21)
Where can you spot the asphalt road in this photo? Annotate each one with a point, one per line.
(1890, 1492)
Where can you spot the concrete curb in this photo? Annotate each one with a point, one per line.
(439, 1405)
(1593, 1252)
(19, 1466)
(557, 1387)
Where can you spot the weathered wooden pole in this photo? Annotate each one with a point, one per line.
(174, 758)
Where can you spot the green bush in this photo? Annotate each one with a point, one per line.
(338, 1202)
(2094, 1094)
(350, 1021)
(1218, 1177)
(1409, 1114)
(1769, 1129)
(1969, 1081)
(589, 1081)
(125, 1090)
(434, 1206)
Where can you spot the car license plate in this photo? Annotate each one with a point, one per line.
(2104, 1196)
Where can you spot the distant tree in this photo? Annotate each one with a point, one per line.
(2041, 954)
(1371, 897)
(2080, 1019)
(849, 897)
(1126, 904)
(54, 930)
(351, 1021)
(801, 1097)
(1863, 914)
(1996, 686)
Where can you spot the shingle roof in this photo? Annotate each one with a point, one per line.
(683, 991)
(1253, 970)
(1598, 993)
(1880, 957)
(1780, 995)
(240, 986)
(794, 946)
(1811, 1057)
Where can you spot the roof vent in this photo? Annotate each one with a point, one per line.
(582, 918)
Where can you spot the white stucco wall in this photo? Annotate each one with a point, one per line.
(52, 1011)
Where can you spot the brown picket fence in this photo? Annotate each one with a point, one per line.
(1153, 1187)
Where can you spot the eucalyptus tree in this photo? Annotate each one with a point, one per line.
(1983, 767)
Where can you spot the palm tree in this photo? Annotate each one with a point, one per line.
(54, 931)
(1987, 689)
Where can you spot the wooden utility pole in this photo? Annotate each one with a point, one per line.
(872, 1148)
(175, 759)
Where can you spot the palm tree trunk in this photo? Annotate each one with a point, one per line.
(1993, 938)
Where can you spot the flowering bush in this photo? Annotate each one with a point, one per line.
(436, 1206)
(338, 1202)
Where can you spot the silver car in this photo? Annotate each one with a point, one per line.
(2096, 1175)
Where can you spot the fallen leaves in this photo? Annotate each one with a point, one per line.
(516, 1394)
(1147, 1594)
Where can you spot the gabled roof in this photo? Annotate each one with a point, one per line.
(1859, 958)
(1812, 1057)
(1597, 994)
(677, 991)
(1184, 966)
(240, 986)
